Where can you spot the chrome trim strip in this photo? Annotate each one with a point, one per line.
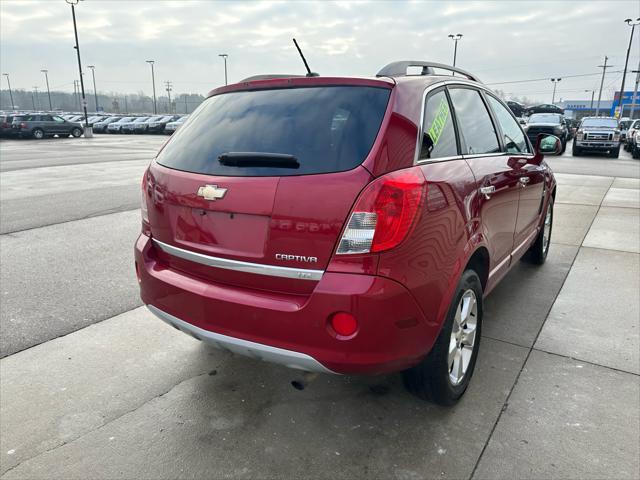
(525, 241)
(238, 266)
(267, 353)
(499, 266)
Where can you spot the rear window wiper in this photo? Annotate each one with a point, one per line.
(258, 159)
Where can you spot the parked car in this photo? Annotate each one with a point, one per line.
(547, 123)
(101, 126)
(129, 127)
(5, 126)
(633, 139)
(171, 127)
(155, 124)
(39, 126)
(517, 108)
(597, 134)
(114, 127)
(624, 125)
(341, 227)
(545, 108)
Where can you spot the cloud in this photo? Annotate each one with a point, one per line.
(503, 40)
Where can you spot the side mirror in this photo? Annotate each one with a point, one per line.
(548, 144)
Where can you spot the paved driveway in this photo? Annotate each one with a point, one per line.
(555, 394)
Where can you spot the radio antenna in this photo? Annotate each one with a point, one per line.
(306, 65)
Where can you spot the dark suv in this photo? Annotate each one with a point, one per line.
(549, 124)
(345, 225)
(41, 125)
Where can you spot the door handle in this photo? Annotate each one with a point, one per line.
(524, 181)
(487, 191)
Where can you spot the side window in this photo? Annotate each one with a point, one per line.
(514, 139)
(476, 127)
(46, 118)
(438, 136)
(58, 119)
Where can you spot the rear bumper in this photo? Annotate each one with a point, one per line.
(259, 351)
(292, 329)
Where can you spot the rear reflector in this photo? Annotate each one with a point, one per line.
(384, 213)
(344, 324)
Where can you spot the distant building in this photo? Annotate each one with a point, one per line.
(582, 108)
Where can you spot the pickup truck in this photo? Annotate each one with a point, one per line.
(597, 134)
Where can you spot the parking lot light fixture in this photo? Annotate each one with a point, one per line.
(592, 94)
(555, 82)
(455, 39)
(13, 107)
(73, 3)
(95, 92)
(153, 82)
(224, 57)
(46, 77)
(632, 23)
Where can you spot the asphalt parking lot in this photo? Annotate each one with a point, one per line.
(93, 386)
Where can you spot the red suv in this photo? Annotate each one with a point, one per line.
(345, 225)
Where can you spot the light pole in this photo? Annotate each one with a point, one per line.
(635, 91)
(95, 92)
(46, 77)
(35, 89)
(88, 131)
(169, 85)
(555, 82)
(592, 94)
(13, 107)
(632, 24)
(153, 81)
(224, 56)
(455, 39)
(604, 71)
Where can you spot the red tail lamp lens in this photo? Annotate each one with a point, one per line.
(344, 324)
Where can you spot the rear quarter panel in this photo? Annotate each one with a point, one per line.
(430, 261)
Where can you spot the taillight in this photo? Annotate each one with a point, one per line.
(146, 226)
(384, 213)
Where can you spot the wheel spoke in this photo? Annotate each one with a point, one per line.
(453, 348)
(466, 306)
(469, 335)
(460, 366)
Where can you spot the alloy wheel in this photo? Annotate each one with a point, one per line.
(463, 336)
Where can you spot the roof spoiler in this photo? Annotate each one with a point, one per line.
(399, 69)
(272, 76)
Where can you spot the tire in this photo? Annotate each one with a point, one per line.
(577, 151)
(538, 251)
(614, 153)
(37, 133)
(76, 132)
(434, 378)
(635, 152)
(564, 147)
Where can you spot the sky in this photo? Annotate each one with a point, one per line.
(503, 41)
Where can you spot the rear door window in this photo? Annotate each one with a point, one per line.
(474, 122)
(438, 133)
(513, 137)
(325, 129)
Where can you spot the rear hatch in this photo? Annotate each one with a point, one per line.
(263, 177)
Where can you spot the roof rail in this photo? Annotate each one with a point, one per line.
(270, 76)
(399, 69)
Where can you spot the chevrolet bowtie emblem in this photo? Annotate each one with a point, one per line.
(211, 192)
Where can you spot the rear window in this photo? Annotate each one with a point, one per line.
(326, 129)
